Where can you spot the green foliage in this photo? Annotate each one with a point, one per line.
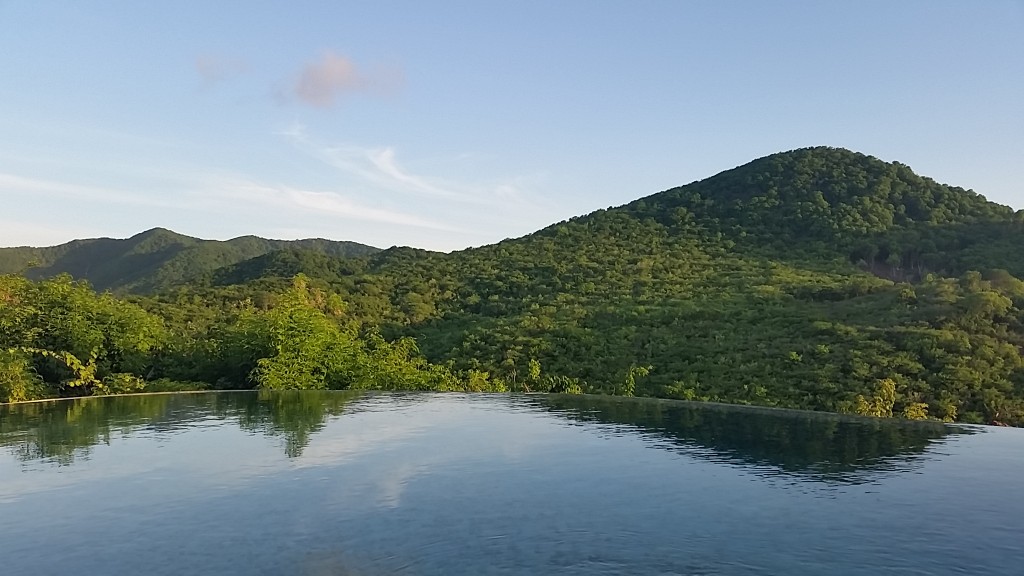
(304, 342)
(295, 345)
(881, 403)
(564, 385)
(70, 339)
(634, 373)
(64, 339)
(916, 411)
(120, 383)
(168, 385)
(18, 381)
(817, 279)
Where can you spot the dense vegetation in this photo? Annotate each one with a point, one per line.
(153, 260)
(60, 338)
(819, 279)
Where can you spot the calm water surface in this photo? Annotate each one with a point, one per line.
(366, 484)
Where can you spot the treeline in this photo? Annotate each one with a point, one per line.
(59, 337)
(681, 319)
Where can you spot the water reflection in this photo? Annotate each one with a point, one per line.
(65, 430)
(294, 415)
(813, 445)
(336, 483)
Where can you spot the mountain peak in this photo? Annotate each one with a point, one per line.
(817, 193)
(157, 231)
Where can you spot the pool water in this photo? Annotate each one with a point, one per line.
(335, 483)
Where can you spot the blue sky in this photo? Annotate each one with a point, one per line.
(444, 125)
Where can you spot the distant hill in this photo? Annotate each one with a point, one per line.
(156, 259)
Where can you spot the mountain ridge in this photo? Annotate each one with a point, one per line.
(738, 203)
(153, 259)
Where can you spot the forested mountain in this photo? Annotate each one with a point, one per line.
(818, 278)
(154, 260)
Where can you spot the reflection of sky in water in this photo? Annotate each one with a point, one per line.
(475, 485)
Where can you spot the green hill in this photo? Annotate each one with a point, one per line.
(819, 279)
(805, 279)
(154, 260)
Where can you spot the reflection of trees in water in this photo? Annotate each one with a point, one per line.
(63, 430)
(821, 446)
(816, 445)
(294, 415)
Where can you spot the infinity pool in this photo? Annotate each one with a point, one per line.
(329, 483)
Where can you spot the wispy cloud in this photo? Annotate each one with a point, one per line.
(320, 202)
(217, 192)
(323, 82)
(214, 69)
(15, 184)
(379, 168)
(485, 208)
(370, 194)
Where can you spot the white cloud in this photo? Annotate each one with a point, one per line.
(383, 160)
(379, 167)
(486, 210)
(323, 202)
(175, 196)
(369, 194)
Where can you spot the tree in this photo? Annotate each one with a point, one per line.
(632, 375)
(881, 403)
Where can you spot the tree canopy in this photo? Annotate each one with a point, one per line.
(819, 279)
